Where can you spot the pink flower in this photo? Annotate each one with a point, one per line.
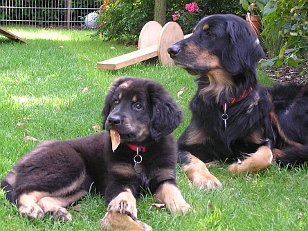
(192, 7)
(175, 16)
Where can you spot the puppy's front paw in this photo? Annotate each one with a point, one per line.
(179, 207)
(31, 211)
(124, 203)
(62, 214)
(171, 196)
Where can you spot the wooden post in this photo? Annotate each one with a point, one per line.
(68, 13)
(160, 11)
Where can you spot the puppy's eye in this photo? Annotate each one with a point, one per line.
(116, 102)
(138, 106)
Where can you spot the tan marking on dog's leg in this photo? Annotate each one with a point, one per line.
(56, 205)
(257, 161)
(197, 171)
(170, 195)
(28, 206)
(124, 203)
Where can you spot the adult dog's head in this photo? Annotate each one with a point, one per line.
(222, 43)
(140, 110)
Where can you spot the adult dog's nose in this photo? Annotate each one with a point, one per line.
(114, 120)
(174, 50)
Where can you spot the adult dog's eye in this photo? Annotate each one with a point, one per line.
(116, 102)
(138, 106)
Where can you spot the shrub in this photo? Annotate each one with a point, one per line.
(188, 18)
(285, 32)
(123, 20)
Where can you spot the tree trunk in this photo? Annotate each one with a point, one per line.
(160, 11)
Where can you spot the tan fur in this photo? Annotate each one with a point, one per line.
(277, 153)
(257, 161)
(11, 178)
(205, 27)
(170, 195)
(70, 188)
(195, 136)
(256, 136)
(123, 169)
(126, 84)
(56, 204)
(135, 99)
(124, 203)
(276, 123)
(220, 81)
(199, 174)
(27, 203)
(35, 204)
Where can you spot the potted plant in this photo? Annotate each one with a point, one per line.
(254, 8)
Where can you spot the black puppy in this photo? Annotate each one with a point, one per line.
(234, 119)
(57, 173)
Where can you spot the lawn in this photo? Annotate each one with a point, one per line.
(51, 89)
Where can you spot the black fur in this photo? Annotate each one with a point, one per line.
(229, 40)
(146, 115)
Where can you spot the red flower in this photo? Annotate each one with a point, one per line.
(103, 6)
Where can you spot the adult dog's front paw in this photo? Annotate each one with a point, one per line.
(203, 179)
(197, 171)
(124, 203)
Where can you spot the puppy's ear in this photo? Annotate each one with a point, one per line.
(166, 114)
(243, 50)
(108, 100)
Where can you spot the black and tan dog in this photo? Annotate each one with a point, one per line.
(58, 173)
(234, 119)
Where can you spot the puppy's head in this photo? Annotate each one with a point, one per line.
(140, 110)
(218, 42)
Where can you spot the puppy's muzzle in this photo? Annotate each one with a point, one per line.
(174, 50)
(114, 120)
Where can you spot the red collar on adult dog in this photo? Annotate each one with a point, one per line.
(242, 96)
(135, 147)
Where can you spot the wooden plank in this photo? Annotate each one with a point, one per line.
(11, 36)
(129, 58)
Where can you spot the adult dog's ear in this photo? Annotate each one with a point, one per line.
(166, 114)
(108, 100)
(244, 50)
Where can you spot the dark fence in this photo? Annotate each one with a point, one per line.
(45, 13)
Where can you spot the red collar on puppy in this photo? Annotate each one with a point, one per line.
(135, 147)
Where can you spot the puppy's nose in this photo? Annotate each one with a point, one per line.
(174, 50)
(114, 120)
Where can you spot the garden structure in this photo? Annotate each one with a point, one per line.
(154, 40)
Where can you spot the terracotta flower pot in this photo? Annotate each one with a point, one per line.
(254, 23)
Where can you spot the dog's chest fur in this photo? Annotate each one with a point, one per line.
(244, 118)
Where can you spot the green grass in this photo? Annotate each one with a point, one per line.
(51, 89)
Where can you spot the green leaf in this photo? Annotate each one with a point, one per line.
(282, 50)
(269, 8)
(245, 4)
(279, 62)
(268, 63)
(292, 62)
